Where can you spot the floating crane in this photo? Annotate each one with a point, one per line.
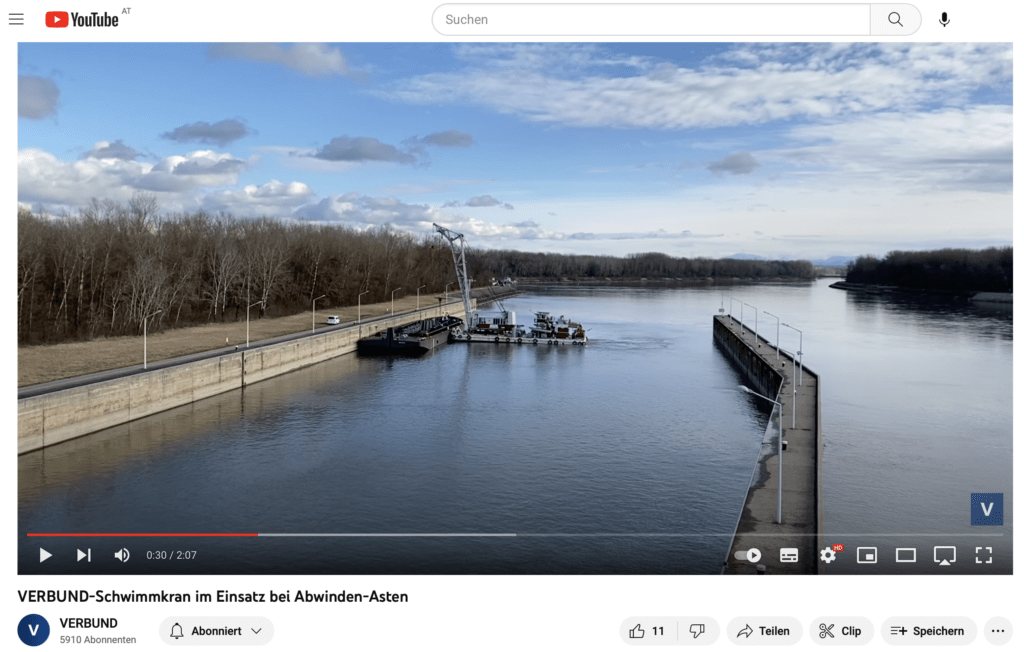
(457, 241)
(546, 330)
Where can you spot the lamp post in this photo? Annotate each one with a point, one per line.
(778, 516)
(418, 296)
(777, 322)
(731, 299)
(800, 352)
(393, 301)
(359, 307)
(144, 344)
(756, 341)
(314, 310)
(446, 293)
(258, 303)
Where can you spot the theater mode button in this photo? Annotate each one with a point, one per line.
(216, 630)
(762, 630)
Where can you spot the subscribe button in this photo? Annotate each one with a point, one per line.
(217, 630)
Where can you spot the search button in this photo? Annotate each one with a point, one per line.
(894, 20)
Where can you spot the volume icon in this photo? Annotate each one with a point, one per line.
(122, 555)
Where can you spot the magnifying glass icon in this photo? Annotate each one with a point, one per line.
(894, 19)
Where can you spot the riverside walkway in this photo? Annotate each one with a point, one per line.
(765, 369)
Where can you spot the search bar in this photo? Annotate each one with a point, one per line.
(777, 19)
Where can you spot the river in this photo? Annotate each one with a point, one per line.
(630, 455)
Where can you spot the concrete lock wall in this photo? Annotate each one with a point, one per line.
(53, 418)
(762, 378)
(782, 509)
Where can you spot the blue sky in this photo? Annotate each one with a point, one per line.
(778, 150)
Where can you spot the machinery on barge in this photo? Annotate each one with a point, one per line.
(503, 328)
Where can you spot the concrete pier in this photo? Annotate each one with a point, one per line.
(775, 375)
(83, 408)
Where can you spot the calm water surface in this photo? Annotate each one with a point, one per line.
(631, 455)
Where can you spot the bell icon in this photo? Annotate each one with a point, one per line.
(176, 631)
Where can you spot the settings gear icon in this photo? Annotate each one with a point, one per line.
(827, 555)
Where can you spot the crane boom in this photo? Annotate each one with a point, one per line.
(459, 256)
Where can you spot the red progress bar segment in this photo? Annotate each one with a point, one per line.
(137, 534)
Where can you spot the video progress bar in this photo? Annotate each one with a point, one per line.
(494, 534)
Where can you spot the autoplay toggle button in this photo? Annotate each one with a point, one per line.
(753, 555)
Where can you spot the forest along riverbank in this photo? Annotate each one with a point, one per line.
(973, 295)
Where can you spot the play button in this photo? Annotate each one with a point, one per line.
(43, 555)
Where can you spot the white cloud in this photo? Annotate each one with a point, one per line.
(271, 199)
(739, 163)
(480, 201)
(219, 133)
(944, 149)
(311, 59)
(361, 149)
(116, 149)
(450, 138)
(586, 86)
(37, 97)
(45, 180)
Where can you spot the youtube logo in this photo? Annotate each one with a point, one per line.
(57, 19)
(75, 19)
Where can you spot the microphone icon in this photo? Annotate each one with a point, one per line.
(944, 20)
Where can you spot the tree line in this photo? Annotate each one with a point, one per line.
(102, 272)
(954, 270)
(548, 266)
(106, 270)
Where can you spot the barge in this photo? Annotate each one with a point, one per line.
(503, 329)
(412, 339)
(546, 330)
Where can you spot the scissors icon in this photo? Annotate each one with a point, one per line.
(826, 631)
(894, 19)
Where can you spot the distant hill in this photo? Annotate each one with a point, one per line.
(833, 261)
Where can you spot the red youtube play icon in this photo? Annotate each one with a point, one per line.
(57, 19)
